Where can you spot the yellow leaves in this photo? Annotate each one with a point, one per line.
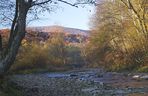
(24, 42)
(120, 33)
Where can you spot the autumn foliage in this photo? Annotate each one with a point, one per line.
(118, 39)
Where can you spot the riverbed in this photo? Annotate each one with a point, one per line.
(88, 82)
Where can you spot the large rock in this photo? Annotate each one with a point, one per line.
(145, 77)
(140, 77)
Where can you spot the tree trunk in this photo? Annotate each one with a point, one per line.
(1, 47)
(10, 52)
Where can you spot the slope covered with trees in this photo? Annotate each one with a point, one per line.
(49, 48)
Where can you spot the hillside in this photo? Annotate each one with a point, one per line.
(71, 35)
(50, 29)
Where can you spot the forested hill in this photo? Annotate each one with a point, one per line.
(42, 33)
(59, 29)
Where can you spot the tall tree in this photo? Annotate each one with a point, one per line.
(119, 33)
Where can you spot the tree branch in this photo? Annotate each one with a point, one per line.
(75, 5)
(63, 1)
(6, 17)
(13, 25)
(40, 3)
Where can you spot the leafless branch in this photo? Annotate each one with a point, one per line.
(6, 17)
(63, 1)
(40, 3)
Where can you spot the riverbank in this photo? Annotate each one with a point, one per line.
(90, 82)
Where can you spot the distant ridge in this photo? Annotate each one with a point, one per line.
(56, 28)
(43, 33)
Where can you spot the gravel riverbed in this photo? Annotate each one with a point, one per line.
(90, 82)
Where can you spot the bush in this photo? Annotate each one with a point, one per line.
(51, 55)
(143, 69)
(31, 56)
(41, 55)
(116, 45)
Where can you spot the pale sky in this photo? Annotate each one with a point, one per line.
(67, 16)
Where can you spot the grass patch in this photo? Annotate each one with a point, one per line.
(29, 71)
(39, 70)
(143, 69)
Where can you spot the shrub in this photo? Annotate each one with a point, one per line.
(31, 56)
(52, 55)
(143, 69)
